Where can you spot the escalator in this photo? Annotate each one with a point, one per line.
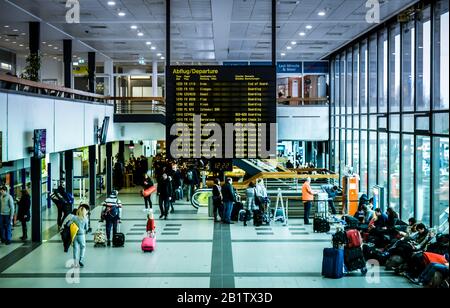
(250, 168)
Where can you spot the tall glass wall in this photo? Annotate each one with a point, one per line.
(395, 82)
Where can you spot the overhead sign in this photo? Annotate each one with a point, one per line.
(220, 97)
(289, 67)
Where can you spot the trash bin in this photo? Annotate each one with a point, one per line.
(210, 206)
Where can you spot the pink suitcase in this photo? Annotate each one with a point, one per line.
(148, 244)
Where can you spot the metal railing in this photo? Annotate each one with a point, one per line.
(139, 105)
(13, 83)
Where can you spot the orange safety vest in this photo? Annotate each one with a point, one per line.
(307, 193)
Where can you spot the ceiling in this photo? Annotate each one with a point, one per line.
(202, 30)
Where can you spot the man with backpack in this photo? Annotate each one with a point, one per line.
(63, 201)
(111, 213)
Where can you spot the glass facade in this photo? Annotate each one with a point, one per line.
(397, 78)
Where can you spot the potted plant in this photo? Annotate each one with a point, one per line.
(31, 71)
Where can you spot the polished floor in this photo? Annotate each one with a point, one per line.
(192, 252)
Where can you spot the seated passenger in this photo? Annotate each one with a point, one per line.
(423, 236)
(381, 219)
(392, 217)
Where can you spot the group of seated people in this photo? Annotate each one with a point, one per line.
(411, 249)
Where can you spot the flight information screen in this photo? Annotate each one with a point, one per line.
(221, 111)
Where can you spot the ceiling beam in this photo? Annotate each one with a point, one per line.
(221, 15)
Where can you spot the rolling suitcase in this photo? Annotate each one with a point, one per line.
(99, 237)
(118, 238)
(333, 263)
(354, 260)
(148, 243)
(321, 225)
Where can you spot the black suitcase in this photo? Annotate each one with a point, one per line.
(321, 225)
(118, 240)
(354, 260)
(237, 207)
(257, 218)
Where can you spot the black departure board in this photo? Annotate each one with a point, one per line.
(220, 96)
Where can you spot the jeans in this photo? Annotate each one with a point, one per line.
(164, 205)
(79, 248)
(428, 274)
(331, 206)
(148, 202)
(6, 228)
(227, 211)
(307, 205)
(191, 191)
(111, 223)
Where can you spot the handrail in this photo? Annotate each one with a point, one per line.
(295, 101)
(194, 201)
(49, 87)
(138, 99)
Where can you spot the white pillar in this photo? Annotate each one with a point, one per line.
(155, 81)
(109, 70)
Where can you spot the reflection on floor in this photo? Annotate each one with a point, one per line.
(192, 252)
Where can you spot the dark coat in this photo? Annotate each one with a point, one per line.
(24, 208)
(165, 189)
(228, 193)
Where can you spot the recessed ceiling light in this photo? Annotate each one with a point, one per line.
(7, 40)
(140, 34)
(133, 27)
(21, 45)
(44, 43)
(302, 34)
(159, 54)
(6, 26)
(74, 56)
(283, 54)
(55, 58)
(121, 14)
(148, 43)
(111, 3)
(162, 58)
(50, 45)
(55, 47)
(14, 42)
(294, 43)
(309, 27)
(321, 13)
(289, 48)
(15, 30)
(153, 48)
(24, 33)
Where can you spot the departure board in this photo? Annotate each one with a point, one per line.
(205, 103)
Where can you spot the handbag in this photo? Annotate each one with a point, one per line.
(147, 192)
(73, 231)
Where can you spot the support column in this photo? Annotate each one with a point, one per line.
(68, 165)
(35, 36)
(67, 55)
(109, 70)
(92, 176)
(49, 185)
(155, 78)
(36, 207)
(23, 176)
(109, 182)
(122, 152)
(91, 69)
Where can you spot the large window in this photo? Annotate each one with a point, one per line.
(356, 79)
(382, 71)
(363, 155)
(408, 74)
(394, 68)
(394, 171)
(441, 56)
(356, 151)
(383, 163)
(407, 186)
(440, 183)
(363, 68)
(349, 80)
(373, 74)
(423, 170)
(373, 158)
(423, 61)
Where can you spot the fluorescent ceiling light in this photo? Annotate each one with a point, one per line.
(302, 34)
(289, 48)
(153, 48)
(321, 13)
(159, 54)
(6, 26)
(283, 54)
(121, 14)
(148, 43)
(309, 27)
(133, 27)
(162, 58)
(111, 3)
(294, 43)
(15, 30)
(140, 34)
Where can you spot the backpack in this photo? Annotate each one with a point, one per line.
(111, 210)
(190, 175)
(354, 239)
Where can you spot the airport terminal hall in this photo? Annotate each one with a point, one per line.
(224, 144)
